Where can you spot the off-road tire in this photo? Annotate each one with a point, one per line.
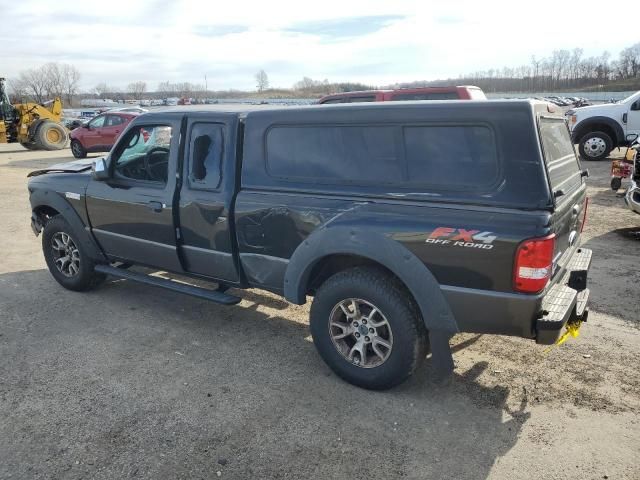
(597, 136)
(86, 278)
(29, 146)
(375, 286)
(77, 149)
(51, 136)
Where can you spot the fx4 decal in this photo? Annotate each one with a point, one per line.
(460, 237)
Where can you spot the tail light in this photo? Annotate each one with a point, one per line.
(584, 215)
(534, 264)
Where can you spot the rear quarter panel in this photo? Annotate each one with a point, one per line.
(274, 225)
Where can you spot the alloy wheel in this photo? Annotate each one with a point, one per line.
(66, 255)
(360, 332)
(76, 148)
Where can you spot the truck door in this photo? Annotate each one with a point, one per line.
(207, 242)
(131, 213)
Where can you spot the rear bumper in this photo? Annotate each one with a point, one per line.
(566, 301)
(522, 315)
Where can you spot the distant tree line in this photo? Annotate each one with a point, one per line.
(304, 88)
(323, 87)
(563, 70)
(46, 82)
(62, 80)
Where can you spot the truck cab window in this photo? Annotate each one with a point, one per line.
(144, 154)
(207, 146)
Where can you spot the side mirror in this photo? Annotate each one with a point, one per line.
(635, 105)
(101, 170)
(632, 137)
(86, 125)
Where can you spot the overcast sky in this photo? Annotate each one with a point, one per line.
(369, 41)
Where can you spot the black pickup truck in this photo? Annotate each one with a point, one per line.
(407, 222)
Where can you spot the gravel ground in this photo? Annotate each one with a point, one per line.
(131, 382)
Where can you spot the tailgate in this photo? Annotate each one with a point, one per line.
(568, 187)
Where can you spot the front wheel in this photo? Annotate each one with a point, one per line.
(367, 329)
(77, 149)
(51, 136)
(67, 261)
(595, 146)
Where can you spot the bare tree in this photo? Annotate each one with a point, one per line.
(18, 90)
(262, 80)
(52, 74)
(305, 84)
(70, 81)
(198, 91)
(575, 63)
(102, 89)
(536, 69)
(137, 89)
(184, 89)
(167, 87)
(48, 81)
(628, 65)
(34, 83)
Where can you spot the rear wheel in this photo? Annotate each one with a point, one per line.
(51, 136)
(77, 149)
(67, 261)
(595, 146)
(367, 329)
(29, 146)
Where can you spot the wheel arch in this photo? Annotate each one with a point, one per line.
(45, 212)
(600, 124)
(49, 203)
(333, 249)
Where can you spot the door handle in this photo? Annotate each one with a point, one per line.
(156, 206)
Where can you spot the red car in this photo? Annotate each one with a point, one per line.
(467, 92)
(100, 133)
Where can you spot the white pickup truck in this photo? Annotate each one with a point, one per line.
(598, 129)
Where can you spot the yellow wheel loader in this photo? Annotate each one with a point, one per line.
(34, 126)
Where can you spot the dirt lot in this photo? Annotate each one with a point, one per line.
(131, 382)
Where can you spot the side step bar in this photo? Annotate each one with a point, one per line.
(211, 295)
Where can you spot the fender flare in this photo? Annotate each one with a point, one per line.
(585, 126)
(378, 248)
(52, 199)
